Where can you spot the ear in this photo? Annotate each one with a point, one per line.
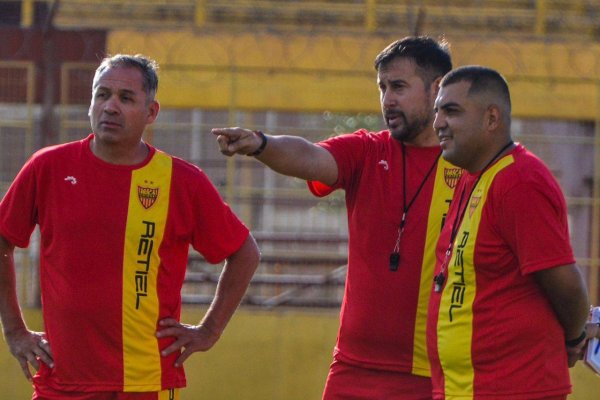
(153, 109)
(434, 88)
(493, 117)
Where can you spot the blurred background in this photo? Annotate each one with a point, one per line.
(302, 68)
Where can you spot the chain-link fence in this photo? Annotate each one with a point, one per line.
(303, 239)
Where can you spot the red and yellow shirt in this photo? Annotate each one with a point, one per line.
(384, 313)
(113, 255)
(484, 330)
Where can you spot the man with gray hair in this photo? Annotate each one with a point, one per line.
(117, 217)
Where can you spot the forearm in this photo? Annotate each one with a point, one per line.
(565, 288)
(572, 315)
(287, 155)
(10, 312)
(232, 286)
(297, 157)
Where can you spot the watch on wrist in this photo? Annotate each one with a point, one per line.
(262, 146)
(576, 341)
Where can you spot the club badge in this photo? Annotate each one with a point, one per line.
(147, 196)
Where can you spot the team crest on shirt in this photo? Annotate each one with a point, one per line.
(473, 205)
(147, 195)
(451, 176)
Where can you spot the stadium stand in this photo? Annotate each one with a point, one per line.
(553, 18)
(304, 246)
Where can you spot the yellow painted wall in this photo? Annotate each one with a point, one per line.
(263, 355)
(308, 72)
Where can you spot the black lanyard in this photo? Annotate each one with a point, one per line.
(395, 256)
(441, 277)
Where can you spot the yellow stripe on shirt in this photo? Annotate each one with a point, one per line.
(455, 320)
(446, 178)
(146, 220)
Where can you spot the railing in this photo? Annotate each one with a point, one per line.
(434, 17)
(295, 271)
(16, 117)
(122, 14)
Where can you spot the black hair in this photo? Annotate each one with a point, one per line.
(482, 80)
(431, 57)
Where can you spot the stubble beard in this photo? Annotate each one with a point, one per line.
(410, 130)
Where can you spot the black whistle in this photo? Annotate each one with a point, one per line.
(439, 282)
(394, 261)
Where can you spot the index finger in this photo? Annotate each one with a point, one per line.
(229, 132)
(168, 322)
(181, 359)
(45, 346)
(45, 353)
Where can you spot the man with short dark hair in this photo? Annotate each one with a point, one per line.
(397, 193)
(509, 305)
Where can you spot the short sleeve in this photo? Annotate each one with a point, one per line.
(18, 209)
(218, 232)
(348, 151)
(533, 221)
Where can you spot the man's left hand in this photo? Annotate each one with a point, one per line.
(188, 338)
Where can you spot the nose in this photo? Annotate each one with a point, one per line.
(439, 122)
(111, 106)
(388, 99)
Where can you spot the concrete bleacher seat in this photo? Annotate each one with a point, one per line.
(121, 14)
(288, 15)
(463, 19)
(295, 270)
(520, 17)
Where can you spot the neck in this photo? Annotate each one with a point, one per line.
(426, 138)
(119, 155)
(497, 153)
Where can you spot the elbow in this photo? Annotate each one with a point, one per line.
(252, 252)
(257, 255)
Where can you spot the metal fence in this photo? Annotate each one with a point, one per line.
(574, 18)
(303, 239)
